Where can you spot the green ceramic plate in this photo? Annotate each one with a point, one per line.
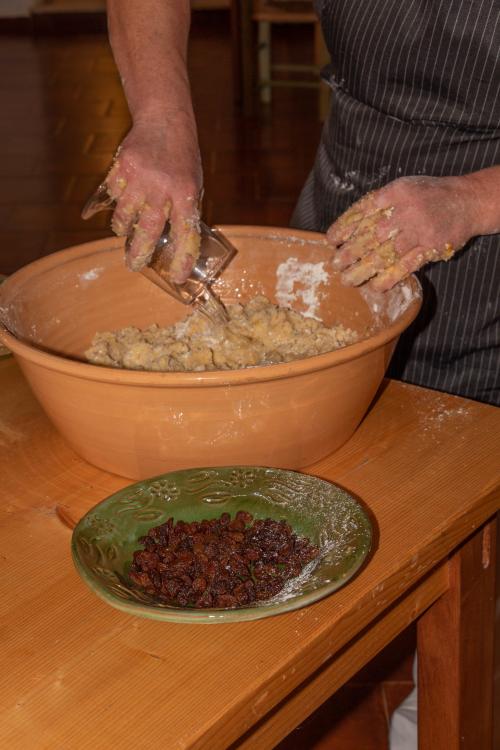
(105, 539)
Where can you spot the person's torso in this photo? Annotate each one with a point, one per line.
(426, 61)
(416, 90)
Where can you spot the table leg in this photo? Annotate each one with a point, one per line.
(455, 652)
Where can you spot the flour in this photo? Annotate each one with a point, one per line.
(347, 184)
(399, 301)
(441, 416)
(392, 304)
(296, 281)
(91, 275)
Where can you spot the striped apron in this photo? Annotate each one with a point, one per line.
(416, 90)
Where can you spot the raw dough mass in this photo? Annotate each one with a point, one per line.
(258, 333)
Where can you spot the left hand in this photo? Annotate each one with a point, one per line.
(156, 177)
(394, 231)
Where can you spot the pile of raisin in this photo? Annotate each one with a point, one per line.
(219, 563)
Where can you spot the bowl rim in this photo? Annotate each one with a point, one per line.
(212, 378)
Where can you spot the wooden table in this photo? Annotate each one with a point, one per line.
(79, 674)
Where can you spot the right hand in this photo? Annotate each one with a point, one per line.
(157, 177)
(395, 230)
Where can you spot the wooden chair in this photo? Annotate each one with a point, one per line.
(255, 67)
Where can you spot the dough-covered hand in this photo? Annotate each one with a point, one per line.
(156, 177)
(394, 231)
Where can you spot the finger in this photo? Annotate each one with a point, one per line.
(185, 234)
(186, 251)
(145, 236)
(446, 253)
(115, 181)
(376, 221)
(382, 257)
(409, 263)
(400, 270)
(127, 211)
(354, 249)
(342, 229)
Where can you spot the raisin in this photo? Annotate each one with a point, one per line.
(199, 584)
(205, 600)
(226, 601)
(183, 597)
(243, 515)
(219, 562)
(141, 578)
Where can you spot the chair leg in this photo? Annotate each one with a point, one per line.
(243, 54)
(264, 57)
(236, 50)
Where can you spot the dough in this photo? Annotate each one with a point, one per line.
(258, 333)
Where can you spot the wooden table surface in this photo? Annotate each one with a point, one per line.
(79, 674)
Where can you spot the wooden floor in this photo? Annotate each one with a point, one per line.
(62, 117)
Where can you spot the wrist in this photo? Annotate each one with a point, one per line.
(163, 121)
(165, 100)
(480, 192)
(155, 114)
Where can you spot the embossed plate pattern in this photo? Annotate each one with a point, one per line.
(104, 540)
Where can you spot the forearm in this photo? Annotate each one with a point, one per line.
(149, 40)
(482, 191)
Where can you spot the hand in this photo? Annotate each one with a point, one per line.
(392, 232)
(157, 177)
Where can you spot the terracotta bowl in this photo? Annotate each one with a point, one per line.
(139, 424)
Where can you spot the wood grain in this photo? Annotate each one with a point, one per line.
(337, 670)
(84, 675)
(455, 645)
